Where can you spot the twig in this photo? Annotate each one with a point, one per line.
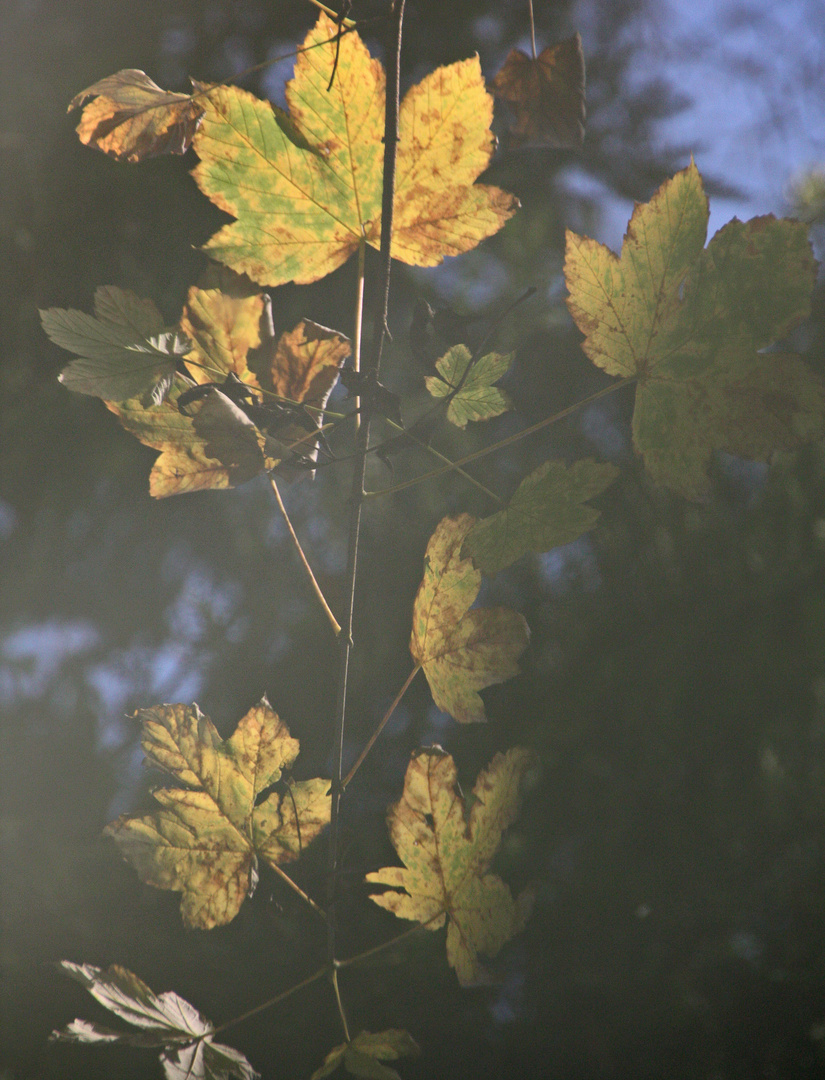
(359, 471)
(287, 880)
(316, 588)
(319, 974)
(546, 422)
(380, 727)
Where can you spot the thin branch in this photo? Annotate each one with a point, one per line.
(287, 880)
(319, 974)
(546, 422)
(359, 471)
(369, 953)
(339, 1003)
(532, 28)
(358, 322)
(380, 728)
(316, 588)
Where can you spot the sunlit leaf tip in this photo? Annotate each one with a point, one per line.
(461, 650)
(129, 117)
(206, 839)
(693, 326)
(549, 508)
(446, 846)
(162, 1021)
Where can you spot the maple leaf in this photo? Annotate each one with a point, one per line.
(207, 837)
(124, 347)
(546, 94)
(305, 187)
(131, 118)
(548, 509)
(446, 853)
(691, 324)
(162, 1020)
(461, 651)
(364, 1054)
(215, 444)
(477, 398)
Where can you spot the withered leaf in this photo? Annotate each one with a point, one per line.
(205, 840)
(545, 94)
(130, 118)
(447, 852)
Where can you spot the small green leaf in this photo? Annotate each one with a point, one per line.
(548, 509)
(477, 399)
(363, 1056)
(124, 350)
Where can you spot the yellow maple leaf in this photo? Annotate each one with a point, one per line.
(305, 187)
(208, 834)
(461, 651)
(446, 854)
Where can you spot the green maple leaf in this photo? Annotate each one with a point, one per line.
(446, 853)
(363, 1056)
(688, 323)
(305, 187)
(548, 509)
(124, 349)
(205, 840)
(477, 398)
(162, 1020)
(461, 651)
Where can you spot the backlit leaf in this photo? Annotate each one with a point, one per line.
(130, 118)
(689, 323)
(548, 509)
(223, 329)
(461, 651)
(206, 839)
(124, 349)
(545, 94)
(163, 1020)
(478, 398)
(306, 187)
(364, 1054)
(446, 853)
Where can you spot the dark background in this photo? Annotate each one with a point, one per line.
(675, 683)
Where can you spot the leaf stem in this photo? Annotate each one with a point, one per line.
(349, 23)
(316, 588)
(287, 880)
(360, 957)
(380, 728)
(358, 321)
(316, 975)
(339, 1002)
(532, 27)
(546, 422)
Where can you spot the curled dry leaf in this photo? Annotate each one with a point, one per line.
(206, 839)
(130, 118)
(545, 94)
(447, 852)
(691, 325)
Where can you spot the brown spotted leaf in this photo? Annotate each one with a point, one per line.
(447, 851)
(206, 839)
(305, 187)
(546, 95)
(461, 650)
(130, 118)
(692, 325)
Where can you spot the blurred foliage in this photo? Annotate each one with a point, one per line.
(675, 684)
